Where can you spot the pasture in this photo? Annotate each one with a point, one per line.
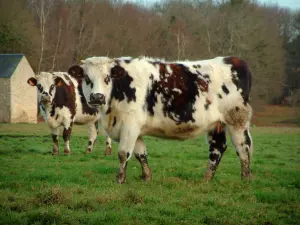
(38, 188)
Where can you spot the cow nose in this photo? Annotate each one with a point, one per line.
(45, 98)
(97, 99)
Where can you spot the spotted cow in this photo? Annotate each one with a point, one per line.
(174, 100)
(62, 103)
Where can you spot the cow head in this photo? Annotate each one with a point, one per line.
(96, 74)
(46, 84)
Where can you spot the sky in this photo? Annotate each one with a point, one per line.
(293, 4)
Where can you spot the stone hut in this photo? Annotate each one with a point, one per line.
(18, 101)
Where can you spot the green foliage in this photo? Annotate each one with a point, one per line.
(18, 33)
(38, 188)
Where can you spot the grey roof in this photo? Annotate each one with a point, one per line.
(8, 64)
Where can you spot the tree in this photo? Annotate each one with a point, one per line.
(42, 8)
(18, 33)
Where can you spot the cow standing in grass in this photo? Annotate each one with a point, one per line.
(175, 100)
(62, 103)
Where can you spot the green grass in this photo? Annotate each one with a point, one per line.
(38, 188)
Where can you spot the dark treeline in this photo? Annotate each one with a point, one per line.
(54, 34)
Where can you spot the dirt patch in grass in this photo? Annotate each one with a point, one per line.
(275, 115)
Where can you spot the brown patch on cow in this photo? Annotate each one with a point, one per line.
(238, 118)
(236, 61)
(77, 72)
(32, 81)
(179, 88)
(146, 171)
(186, 129)
(121, 85)
(55, 150)
(241, 75)
(65, 96)
(67, 133)
(245, 167)
(121, 175)
(107, 150)
(59, 83)
(208, 102)
(220, 127)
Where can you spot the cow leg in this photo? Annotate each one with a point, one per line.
(217, 147)
(108, 146)
(141, 155)
(242, 141)
(55, 133)
(66, 136)
(93, 131)
(129, 135)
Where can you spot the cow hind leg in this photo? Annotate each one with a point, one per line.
(242, 141)
(66, 136)
(93, 131)
(129, 135)
(141, 155)
(55, 133)
(217, 147)
(108, 146)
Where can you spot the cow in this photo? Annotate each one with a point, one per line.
(172, 100)
(62, 103)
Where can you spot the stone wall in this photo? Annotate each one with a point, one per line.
(23, 96)
(4, 100)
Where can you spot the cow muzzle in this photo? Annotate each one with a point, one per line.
(97, 99)
(45, 99)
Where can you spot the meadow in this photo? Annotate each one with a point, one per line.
(38, 188)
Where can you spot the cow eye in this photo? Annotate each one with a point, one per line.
(51, 89)
(39, 87)
(107, 79)
(87, 80)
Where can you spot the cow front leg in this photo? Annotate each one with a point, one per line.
(92, 129)
(129, 135)
(55, 133)
(242, 141)
(66, 136)
(217, 147)
(108, 146)
(141, 155)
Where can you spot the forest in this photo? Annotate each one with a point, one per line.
(55, 34)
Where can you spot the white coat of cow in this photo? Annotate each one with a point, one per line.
(175, 100)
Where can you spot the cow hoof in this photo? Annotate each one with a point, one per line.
(55, 153)
(146, 178)
(208, 175)
(88, 151)
(121, 178)
(67, 152)
(246, 177)
(107, 151)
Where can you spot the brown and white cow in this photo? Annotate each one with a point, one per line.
(175, 100)
(62, 104)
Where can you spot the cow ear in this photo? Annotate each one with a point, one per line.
(32, 81)
(117, 72)
(58, 81)
(76, 71)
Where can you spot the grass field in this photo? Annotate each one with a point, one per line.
(38, 188)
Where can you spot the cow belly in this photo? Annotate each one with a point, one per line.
(177, 132)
